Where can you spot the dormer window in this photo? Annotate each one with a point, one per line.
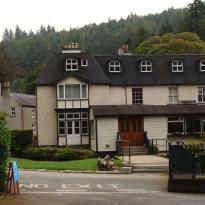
(177, 66)
(114, 66)
(146, 66)
(202, 65)
(71, 64)
(84, 62)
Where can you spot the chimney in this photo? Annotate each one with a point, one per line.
(123, 50)
(71, 48)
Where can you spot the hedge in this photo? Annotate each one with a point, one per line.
(20, 141)
(57, 154)
(4, 150)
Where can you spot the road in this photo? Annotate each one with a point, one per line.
(42, 188)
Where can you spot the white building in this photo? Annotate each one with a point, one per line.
(85, 99)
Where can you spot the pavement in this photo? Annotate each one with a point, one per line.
(147, 160)
(40, 188)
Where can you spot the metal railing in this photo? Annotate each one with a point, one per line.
(186, 160)
(157, 145)
(120, 148)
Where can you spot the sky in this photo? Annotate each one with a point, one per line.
(63, 14)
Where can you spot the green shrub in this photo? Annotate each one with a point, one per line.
(57, 154)
(4, 150)
(20, 141)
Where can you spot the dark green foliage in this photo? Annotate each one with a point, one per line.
(57, 154)
(181, 43)
(194, 20)
(4, 150)
(20, 141)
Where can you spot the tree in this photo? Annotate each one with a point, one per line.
(181, 43)
(4, 150)
(194, 20)
(7, 69)
(165, 28)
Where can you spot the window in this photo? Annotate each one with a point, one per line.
(173, 95)
(193, 124)
(84, 115)
(72, 91)
(13, 111)
(72, 116)
(61, 116)
(202, 65)
(146, 66)
(177, 66)
(34, 128)
(201, 95)
(114, 66)
(84, 62)
(61, 127)
(175, 125)
(137, 96)
(84, 91)
(203, 124)
(71, 64)
(84, 127)
(33, 113)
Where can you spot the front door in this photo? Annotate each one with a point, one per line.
(131, 129)
(73, 132)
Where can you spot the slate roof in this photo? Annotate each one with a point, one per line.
(24, 99)
(161, 70)
(55, 70)
(148, 110)
(97, 70)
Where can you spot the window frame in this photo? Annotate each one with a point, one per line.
(13, 111)
(71, 63)
(179, 67)
(202, 65)
(81, 92)
(182, 120)
(115, 66)
(136, 94)
(202, 95)
(84, 60)
(173, 96)
(146, 66)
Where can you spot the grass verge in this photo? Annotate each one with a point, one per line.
(81, 165)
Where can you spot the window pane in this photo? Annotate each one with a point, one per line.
(61, 131)
(61, 116)
(193, 124)
(61, 124)
(61, 91)
(84, 91)
(72, 91)
(175, 127)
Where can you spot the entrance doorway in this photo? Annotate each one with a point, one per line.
(132, 129)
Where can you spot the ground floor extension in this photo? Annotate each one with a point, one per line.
(100, 126)
(131, 122)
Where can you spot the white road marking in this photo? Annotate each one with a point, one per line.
(82, 192)
(99, 186)
(87, 186)
(67, 190)
(114, 186)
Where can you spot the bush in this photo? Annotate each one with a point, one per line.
(57, 154)
(4, 150)
(20, 141)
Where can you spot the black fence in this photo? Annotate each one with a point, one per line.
(157, 145)
(186, 160)
(123, 148)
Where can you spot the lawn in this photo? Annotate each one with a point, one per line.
(86, 164)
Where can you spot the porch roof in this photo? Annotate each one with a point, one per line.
(147, 110)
